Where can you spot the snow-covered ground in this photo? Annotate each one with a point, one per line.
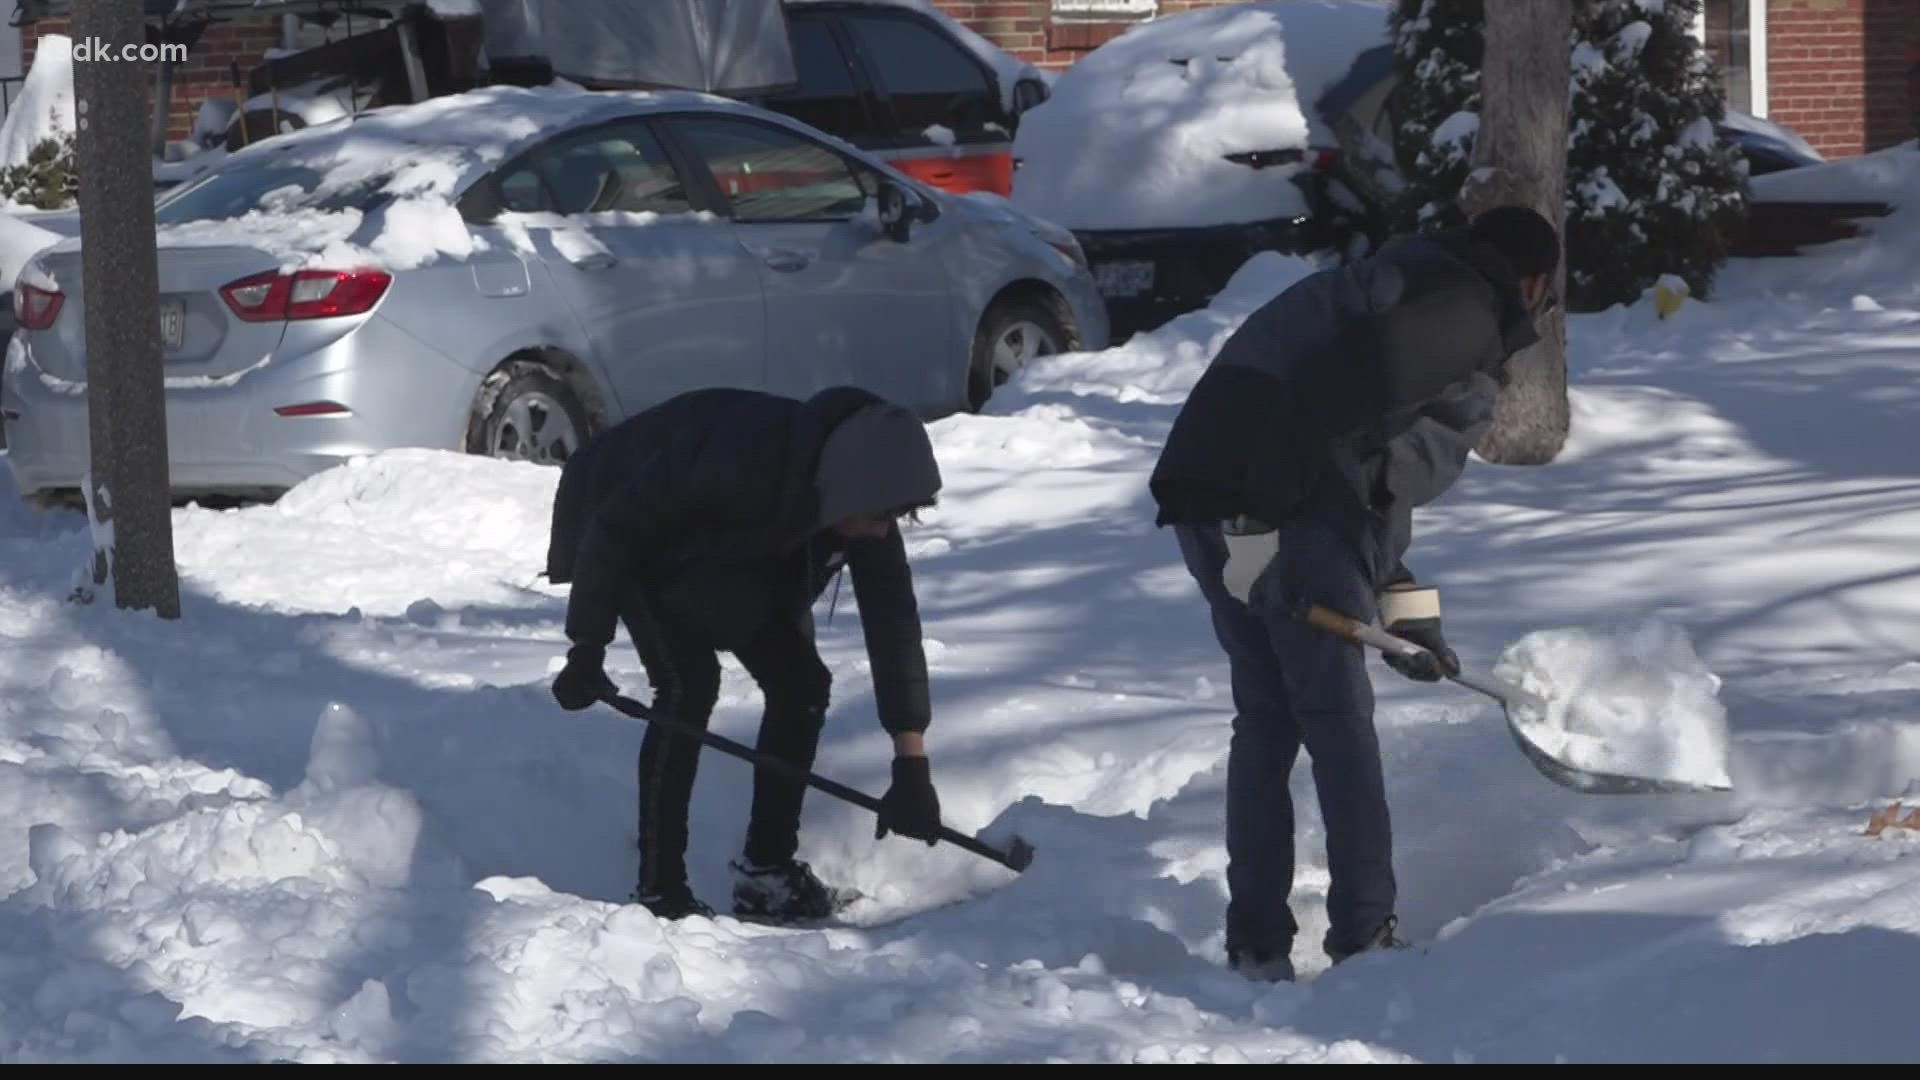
(333, 814)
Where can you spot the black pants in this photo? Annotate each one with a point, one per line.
(1296, 686)
(684, 671)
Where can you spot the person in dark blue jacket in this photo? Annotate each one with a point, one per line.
(1290, 477)
(711, 523)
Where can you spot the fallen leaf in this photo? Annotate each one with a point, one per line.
(1882, 820)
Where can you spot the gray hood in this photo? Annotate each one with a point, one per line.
(876, 460)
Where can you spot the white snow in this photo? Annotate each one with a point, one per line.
(1635, 700)
(333, 814)
(1163, 104)
(42, 108)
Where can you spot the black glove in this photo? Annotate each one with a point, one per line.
(910, 806)
(584, 680)
(1414, 614)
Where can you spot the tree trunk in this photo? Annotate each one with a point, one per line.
(1520, 156)
(128, 496)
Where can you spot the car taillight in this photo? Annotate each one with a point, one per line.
(35, 308)
(305, 294)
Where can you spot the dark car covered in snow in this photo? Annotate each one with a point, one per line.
(1190, 143)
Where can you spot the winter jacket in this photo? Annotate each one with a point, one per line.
(1370, 382)
(707, 509)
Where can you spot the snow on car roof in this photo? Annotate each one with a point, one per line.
(1135, 133)
(422, 155)
(445, 142)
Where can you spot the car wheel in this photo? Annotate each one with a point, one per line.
(1013, 334)
(528, 413)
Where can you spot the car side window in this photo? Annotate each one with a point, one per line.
(769, 174)
(827, 96)
(616, 168)
(931, 81)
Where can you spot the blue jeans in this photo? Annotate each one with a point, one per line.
(1295, 685)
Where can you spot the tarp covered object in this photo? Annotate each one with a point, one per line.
(729, 47)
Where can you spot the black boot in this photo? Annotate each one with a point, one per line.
(1260, 965)
(673, 902)
(784, 892)
(1383, 938)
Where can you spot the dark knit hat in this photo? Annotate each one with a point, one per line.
(1527, 239)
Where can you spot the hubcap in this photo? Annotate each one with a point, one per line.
(535, 428)
(1019, 344)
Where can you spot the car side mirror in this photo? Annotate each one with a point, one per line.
(898, 211)
(1028, 93)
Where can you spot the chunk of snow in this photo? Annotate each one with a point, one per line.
(43, 106)
(1636, 700)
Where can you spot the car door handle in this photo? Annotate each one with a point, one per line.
(788, 261)
(596, 261)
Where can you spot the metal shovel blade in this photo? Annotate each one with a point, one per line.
(1512, 698)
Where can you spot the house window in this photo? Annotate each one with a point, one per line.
(1730, 42)
(1104, 9)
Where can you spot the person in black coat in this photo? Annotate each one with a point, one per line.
(711, 523)
(1290, 476)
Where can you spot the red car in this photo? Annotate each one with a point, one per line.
(910, 84)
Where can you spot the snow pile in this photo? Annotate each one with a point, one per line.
(1159, 367)
(1163, 104)
(1889, 176)
(43, 106)
(1636, 701)
(412, 530)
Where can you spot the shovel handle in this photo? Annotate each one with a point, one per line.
(1360, 633)
(1017, 857)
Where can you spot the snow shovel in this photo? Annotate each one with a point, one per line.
(1017, 857)
(1510, 697)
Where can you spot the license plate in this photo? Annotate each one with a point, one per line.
(1129, 277)
(173, 325)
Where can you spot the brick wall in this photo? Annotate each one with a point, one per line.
(1030, 30)
(1836, 71)
(208, 71)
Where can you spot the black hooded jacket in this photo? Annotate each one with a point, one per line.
(1365, 385)
(705, 509)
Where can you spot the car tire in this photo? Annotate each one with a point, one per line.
(527, 412)
(1013, 333)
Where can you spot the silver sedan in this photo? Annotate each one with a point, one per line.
(506, 271)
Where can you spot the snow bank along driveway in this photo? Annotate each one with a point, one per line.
(334, 815)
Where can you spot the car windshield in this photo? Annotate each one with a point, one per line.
(276, 186)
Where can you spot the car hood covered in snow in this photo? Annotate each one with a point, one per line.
(1134, 135)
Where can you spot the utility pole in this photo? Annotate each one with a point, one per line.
(128, 494)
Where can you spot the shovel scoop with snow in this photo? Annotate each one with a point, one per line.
(1528, 720)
